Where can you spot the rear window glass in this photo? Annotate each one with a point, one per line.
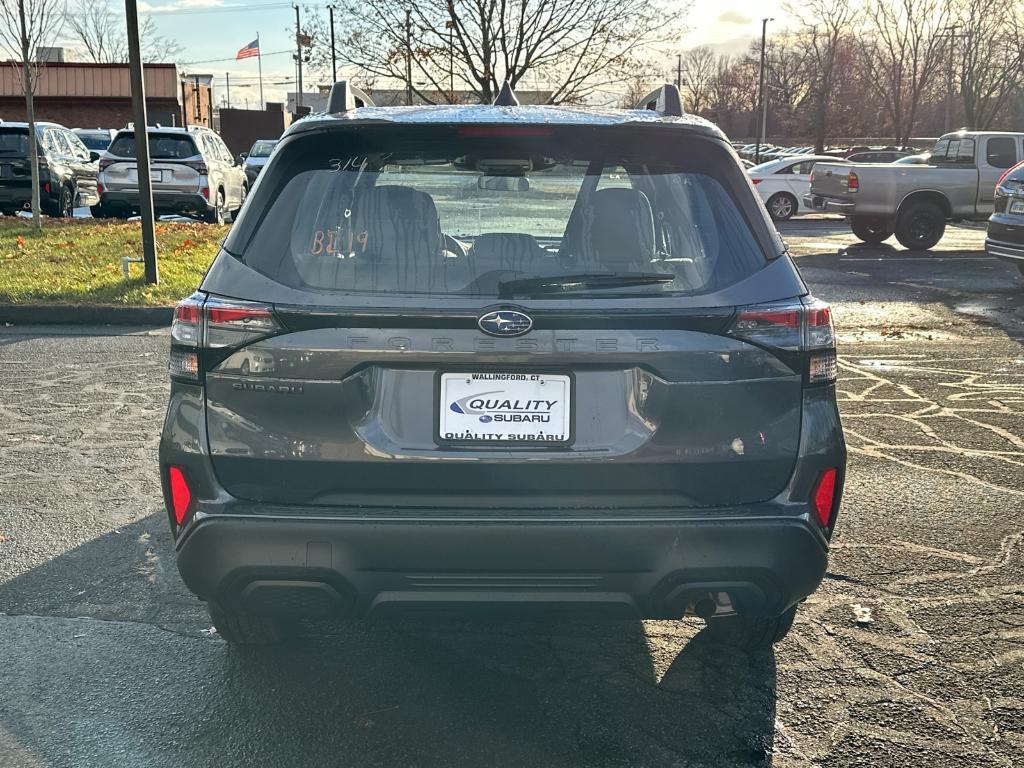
(13, 141)
(450, 211)
(162, 146)
(97, 142)
(262, 149)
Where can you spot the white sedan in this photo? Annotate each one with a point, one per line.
(782, 183)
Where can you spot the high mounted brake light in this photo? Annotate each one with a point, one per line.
(797, 327)
(206, 325)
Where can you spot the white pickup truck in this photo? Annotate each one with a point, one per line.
(914, 202)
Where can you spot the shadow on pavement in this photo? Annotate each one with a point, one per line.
(425, 692)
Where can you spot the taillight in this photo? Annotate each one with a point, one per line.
(852, 182)
(196, 165)
(106, 162)
(181, 494)
(810, 178)
(205, 192)
(205, 325)
(46, 187)
(823, 497)
(804, 329)
(756, 181)
(99, 189)
(1007, 172)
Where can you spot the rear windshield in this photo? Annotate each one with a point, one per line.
(466, 211)
(162, 146)
(262, 149)
(14, 141)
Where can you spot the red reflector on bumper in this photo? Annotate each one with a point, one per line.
(181, 496)
(823, 496)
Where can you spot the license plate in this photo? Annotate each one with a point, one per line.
(154, 176)
(1017, 206)
(505, 408)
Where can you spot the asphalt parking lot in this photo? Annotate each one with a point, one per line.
(106, 660)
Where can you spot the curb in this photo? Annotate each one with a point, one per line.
(83, 314)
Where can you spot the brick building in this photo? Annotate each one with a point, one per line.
(85, 95)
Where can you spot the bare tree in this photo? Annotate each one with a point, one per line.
(699, 69)
(25, 27)
(100, 30)
(575, 47)
(991, 57)
(825, 25)
(902, 51)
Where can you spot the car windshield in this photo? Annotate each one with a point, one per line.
(262, 149)
(463, 211)
(162, 146)
(13, 141)
(95, 141)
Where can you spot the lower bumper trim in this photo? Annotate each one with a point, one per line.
(652, 568)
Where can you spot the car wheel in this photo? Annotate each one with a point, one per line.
(919, 226)
(751, 633)
(246, 628)
(66, 202)
(216, 216)
(99, 212)
(782, 206)
(871, 230)
(7, 211)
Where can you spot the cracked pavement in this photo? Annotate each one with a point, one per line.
(106, 660)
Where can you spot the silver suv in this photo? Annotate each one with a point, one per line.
(193, 173)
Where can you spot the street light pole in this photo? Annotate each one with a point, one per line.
(763, 102)
(334, 54)
(298, 55)
(131, 13)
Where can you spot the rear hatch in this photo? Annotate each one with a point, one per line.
(501, 317)
(176, 164)
(15, 169)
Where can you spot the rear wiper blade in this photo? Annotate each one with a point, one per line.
(558, 283)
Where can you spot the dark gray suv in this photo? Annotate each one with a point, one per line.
(513, 357)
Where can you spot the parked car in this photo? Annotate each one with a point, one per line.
(192, 173)
(67, 170)
(1005, 237)
(603, 386)
(256, 158)
(95, 139)
(783, 183)
(914, 202)
(877, 156)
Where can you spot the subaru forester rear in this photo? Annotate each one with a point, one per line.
(507, 357)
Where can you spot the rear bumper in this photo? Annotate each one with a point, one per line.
(1006, 237)
(644, 567)
(18, 194)
(163, 202)
(829, 205)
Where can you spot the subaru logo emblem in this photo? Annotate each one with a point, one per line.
(505, 322)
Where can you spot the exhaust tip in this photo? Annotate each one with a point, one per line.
(705, 608)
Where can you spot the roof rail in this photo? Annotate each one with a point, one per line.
(506, 96)
(665, 100)
(345, 96)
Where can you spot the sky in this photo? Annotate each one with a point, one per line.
(212, 32)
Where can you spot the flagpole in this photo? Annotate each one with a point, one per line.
(259, 61)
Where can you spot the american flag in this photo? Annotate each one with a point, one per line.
(250, 50)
